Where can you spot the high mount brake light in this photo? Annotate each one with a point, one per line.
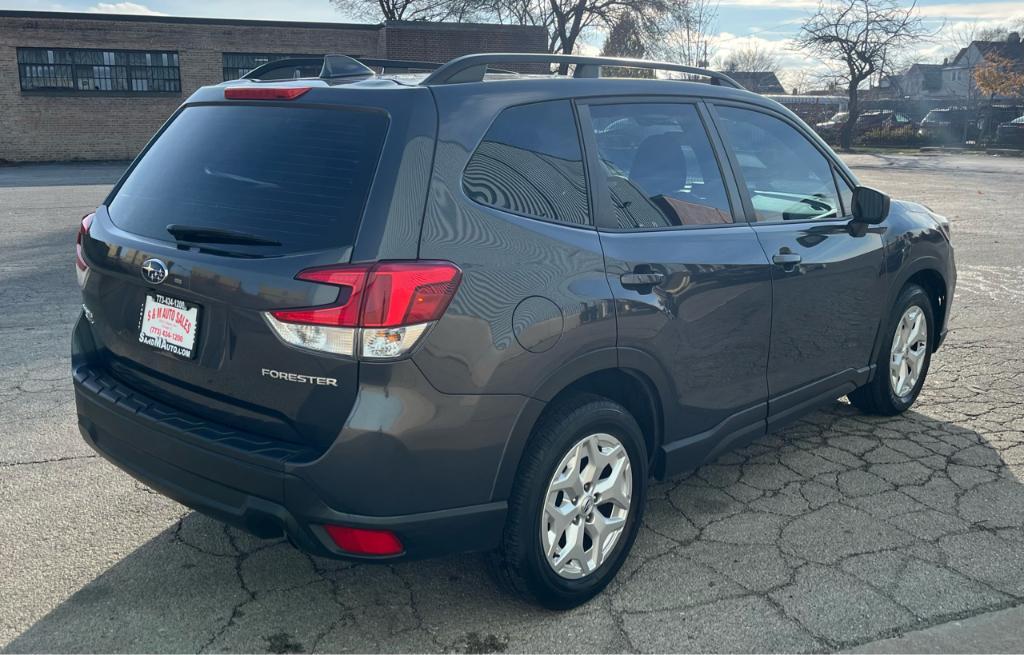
(384, 308)
(81, 268)
(264, 92)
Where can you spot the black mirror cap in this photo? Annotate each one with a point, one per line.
(870, 206)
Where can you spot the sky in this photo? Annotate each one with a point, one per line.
(767, 24)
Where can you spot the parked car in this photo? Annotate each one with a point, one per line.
(393, 318)
(867, 121)
(1011, 133)
(949, 126)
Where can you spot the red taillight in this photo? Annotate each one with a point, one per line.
(81, 268)
(408, 293)
(345, 311)
(83, 230)
(264, 92)
(389, 294)
(364, 542)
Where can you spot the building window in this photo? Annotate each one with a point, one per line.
(119, 71)
(237, 64)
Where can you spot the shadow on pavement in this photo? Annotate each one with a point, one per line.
(840, 530)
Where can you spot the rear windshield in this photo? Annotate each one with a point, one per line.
(291, 175)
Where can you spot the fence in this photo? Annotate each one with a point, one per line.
(912, 123)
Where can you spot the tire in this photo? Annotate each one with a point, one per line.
(522, 563)
(880, 395)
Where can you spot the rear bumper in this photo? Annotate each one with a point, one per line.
(260, 500)
(385, 479)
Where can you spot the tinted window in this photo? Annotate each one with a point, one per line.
(530, 163)
(660, 167)
(787, 177)
(296, 176)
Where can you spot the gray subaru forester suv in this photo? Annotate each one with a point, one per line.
(397, 316)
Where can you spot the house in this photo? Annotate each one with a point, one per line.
(922, 81)
(958, 76)
(757, 81)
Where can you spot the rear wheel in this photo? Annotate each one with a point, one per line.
(903, 363)
(577, 503)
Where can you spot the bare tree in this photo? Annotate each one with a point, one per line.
(861, 38)
(752, 59)
(433, 10)
(962, 35)
(797, 80)
(688, 39)
(625, 39)
(568, 20)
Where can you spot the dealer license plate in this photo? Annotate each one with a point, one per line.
(169, 324)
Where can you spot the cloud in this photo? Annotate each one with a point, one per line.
(997, 11)
(771, 4)
(123, 8)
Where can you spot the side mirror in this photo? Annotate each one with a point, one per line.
(870, 206)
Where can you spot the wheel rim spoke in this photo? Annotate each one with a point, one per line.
(909, 351)
(586, 506)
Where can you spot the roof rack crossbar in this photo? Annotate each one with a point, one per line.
(473, 68)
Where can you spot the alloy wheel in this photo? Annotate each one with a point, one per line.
(909, 351)
(586, 506)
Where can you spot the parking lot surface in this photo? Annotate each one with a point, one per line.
(836, 531)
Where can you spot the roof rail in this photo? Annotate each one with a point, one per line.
(399, 63)
(473, 68)
(334, 66)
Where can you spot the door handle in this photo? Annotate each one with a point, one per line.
(642, 281)
(786, 258)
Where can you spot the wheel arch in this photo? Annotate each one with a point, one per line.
(633, 387)
(934, 284)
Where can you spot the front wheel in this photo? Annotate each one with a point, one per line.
(904, 360)
(577, 503)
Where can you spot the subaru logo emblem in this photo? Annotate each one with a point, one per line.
(154, 271)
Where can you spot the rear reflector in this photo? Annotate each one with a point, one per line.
(264, 92)
(364, 542)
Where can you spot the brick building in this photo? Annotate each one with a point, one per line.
(76, 86)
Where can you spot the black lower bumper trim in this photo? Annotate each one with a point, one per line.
(265, 502)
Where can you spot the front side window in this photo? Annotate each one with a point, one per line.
(77, 69)
(660, 166)
(786, 176)
(530, 163)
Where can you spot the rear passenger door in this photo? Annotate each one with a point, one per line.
(691, 283)
(827, 276)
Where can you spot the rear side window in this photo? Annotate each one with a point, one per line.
(530, 163)
(296, 176)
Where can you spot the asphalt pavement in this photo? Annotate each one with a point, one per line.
(832, 534)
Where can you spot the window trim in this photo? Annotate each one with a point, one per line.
(599, 186)
(833, 162)
(75, 90)
(590, 224)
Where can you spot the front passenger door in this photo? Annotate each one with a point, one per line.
(827, 278)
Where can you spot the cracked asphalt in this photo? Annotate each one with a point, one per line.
(837, 531)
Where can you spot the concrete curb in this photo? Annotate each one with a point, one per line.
(995, 632)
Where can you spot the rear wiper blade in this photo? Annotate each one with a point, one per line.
(196, 234)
